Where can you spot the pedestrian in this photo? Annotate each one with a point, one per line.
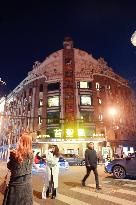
(91, 164)
(52, 159)
(19, 190)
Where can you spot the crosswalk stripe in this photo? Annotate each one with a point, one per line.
(124, 191)
(35, 203)
(103, 196)
(106, 182)
(92, 185)
(69, 200)
(126, 180)
(130, 185)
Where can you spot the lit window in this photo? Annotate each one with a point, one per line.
(40, 102)
(97, 86)
(39, 119)
(99, 101)
(100, 117)
(85, 84)
(53, 101)
(85, 100)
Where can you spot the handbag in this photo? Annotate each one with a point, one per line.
(4, 185)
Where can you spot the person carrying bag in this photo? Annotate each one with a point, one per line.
(19, 190)
(51, 184)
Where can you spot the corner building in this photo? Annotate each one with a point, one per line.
(65, 100)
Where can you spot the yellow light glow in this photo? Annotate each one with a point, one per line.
(69, 132)
(112, 111)
(58, 132)
(81, 132)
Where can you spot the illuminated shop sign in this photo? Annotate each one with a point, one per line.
(58, 133)
(98, 135)
(42, 136)
(69, 132)
(81, 132)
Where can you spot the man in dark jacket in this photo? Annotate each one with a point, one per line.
(91, 164)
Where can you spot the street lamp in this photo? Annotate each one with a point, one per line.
(112, 111)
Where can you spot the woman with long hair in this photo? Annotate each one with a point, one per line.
(52, 158)
(19, 190)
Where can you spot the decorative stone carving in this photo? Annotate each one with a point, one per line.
(36, 64)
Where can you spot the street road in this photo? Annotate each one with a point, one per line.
(71, 192)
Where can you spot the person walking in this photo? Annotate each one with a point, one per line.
(19, 190)
(52, 159)
(91, 164)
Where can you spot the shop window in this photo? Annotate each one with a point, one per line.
(85, 100)
(53, 86)
(41, 88)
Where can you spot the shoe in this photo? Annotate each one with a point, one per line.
(83, 183)
(54, 194)
(47, 193)
(98, 188)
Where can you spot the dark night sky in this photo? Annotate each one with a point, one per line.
(32, 30)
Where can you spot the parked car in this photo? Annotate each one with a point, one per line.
(74, 159)
(120, 168)
(41, 167)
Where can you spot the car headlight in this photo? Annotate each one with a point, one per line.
(106, 163)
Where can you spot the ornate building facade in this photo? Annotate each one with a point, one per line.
(70, 99)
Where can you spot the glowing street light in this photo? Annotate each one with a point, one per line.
(112, 111)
